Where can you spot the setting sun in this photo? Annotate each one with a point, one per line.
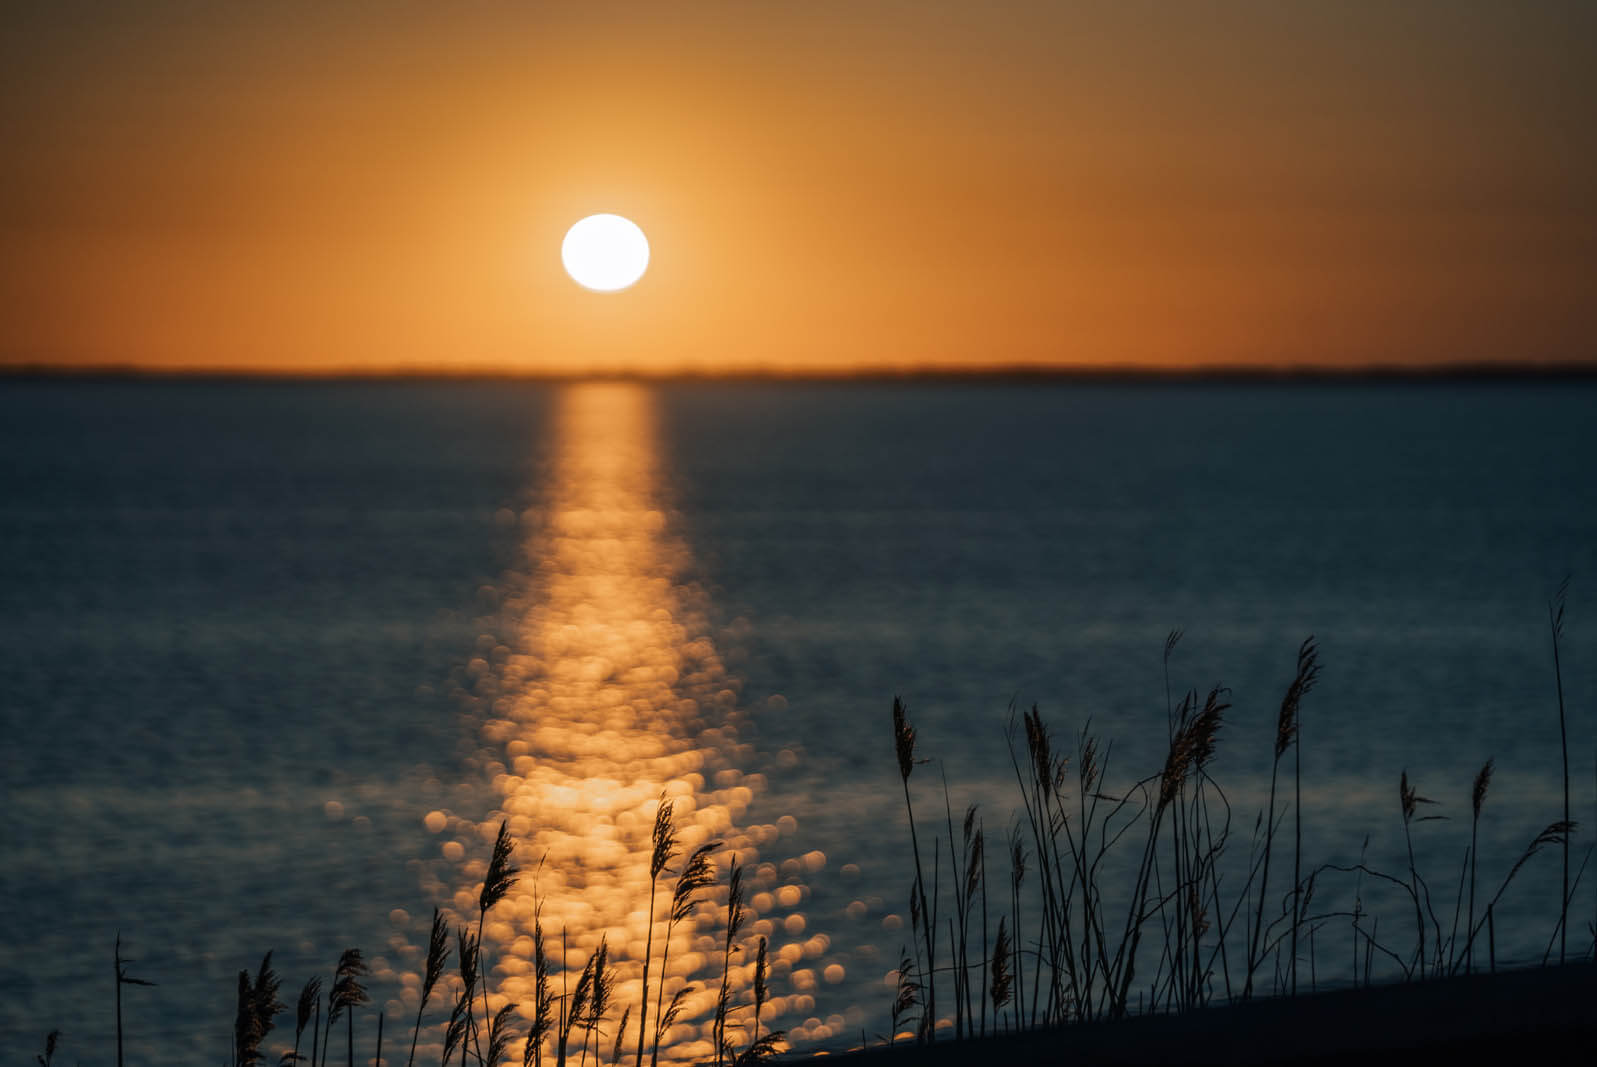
(605, 252)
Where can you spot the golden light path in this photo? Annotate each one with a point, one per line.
(606, 695)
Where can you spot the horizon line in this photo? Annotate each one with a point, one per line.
(1501, 370)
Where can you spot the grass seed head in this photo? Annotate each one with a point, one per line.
(1483, 781)
(501, 872)
(903, 739)
(664, 838)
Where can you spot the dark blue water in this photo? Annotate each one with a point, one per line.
(237, 623)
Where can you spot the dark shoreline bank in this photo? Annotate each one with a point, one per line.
(1515, 1015)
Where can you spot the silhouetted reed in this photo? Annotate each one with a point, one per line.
(922, 919)
(761, 1046)
(697, 874)
(437, 956)
(734, 925)
(496, 882)
(543, 1018)
(1555, 619)
(499, 1035)
(662, 849)
(347, 993)
(258, 1006)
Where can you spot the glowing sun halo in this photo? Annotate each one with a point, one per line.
(605, 252)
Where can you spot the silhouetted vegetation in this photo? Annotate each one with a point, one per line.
(1070, 942)
(1174, 943)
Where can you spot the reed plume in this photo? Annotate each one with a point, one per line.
(50, 1040)
(258, 1006)
(345, 996)
(599, 998)
(309, 994)
(1308, 672)
(499, 1035)
(1192, 747)
(574, 1011)
(761, 1047)
(501, 874)
(906, 995)
(621, 1034)
(903, 739)
(1001, 989)
(437, 956)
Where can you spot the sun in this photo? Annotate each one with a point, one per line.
(605, 253)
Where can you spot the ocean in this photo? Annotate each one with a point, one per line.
(277, 659)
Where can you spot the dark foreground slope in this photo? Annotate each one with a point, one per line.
(1522, 1016)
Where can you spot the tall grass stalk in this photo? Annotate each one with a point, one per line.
(466, 952)
(574, 1011)
(1555, 620)
(1477, 799)
(437, 956)
(734, 924)
(697, 873)
(498, 1035)
(346, 994)
(542, 994)
(496, 882)
(760, 1047)
(663, 848)
(309, 995)
(904, 747)
(1410, 802)
(1308, 672)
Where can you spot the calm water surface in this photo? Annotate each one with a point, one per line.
(276, 660)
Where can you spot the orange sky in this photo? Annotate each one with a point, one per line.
(826, 185)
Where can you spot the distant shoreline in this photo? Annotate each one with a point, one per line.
(1456, 373)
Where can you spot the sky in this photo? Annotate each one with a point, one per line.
(826, 186)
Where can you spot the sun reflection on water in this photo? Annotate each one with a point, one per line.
(606, 695)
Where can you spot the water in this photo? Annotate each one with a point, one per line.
(275, 659)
